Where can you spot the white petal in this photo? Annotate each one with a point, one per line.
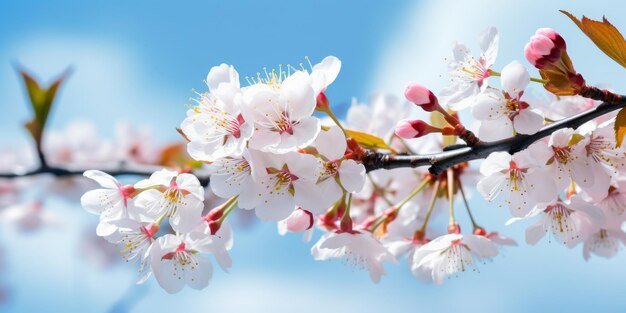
(308, 195)
(264, 139)
(352, 175)
(275, 208)
(535, 232)
(489, 41)
(163, 177)
(495, 162)
(514, 79)
(581, 172)
(187, 217)
(190, 183)
(480, 245)
(105, 229)
(298, 96)
(490, 186)
(198, 278)
(105, 180)
(91, 201)
(325, 72)
(306, 131)
(528, 121)
(331, 143)
(540, 152)
(487, 105)
(493, 130)
(541, 185)
(222, 74)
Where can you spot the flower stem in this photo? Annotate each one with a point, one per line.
(346, 220)
(450, 181)
(469, 212)
(412, 194)
(228, 209)
(332, 116)
(431, 205)
(381, 219)
(379, 190)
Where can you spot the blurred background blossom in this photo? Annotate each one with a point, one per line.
(134, 64)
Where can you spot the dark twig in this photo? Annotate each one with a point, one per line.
(118, 170)
(439, 162)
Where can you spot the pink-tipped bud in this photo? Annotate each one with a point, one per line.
(299, 221)
(322, 103)
(408, 129)
(553, 35)
(544, 48)
(421, 96)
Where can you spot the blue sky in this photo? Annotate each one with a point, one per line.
(138, 61)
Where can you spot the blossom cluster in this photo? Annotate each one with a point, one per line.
(265, 150)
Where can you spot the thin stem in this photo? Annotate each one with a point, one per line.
(228, 209)
(381, 219)
(431, 205)
(332, 116)
(379, 190)
(469, 212)
(346, 220)
(412, 194)
(450, 183)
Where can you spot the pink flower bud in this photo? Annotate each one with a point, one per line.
(408, 129)
(553, 35)
(544, 48)
(299, 221)
(321, 102)
(421, 96)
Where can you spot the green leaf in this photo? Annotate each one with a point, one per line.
(620, 127)
(604, 35)
(41, 100)
(369, 141)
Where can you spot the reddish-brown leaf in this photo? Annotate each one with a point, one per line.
(604, 35)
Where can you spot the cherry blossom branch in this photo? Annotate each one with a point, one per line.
(453, 155)
(438, 162)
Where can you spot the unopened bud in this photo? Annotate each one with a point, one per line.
(422, 97)
(321, 103)
(545, 47)
(546, 50)
(408, 129)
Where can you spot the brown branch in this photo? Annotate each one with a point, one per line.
(453, 155)
(118, 170)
